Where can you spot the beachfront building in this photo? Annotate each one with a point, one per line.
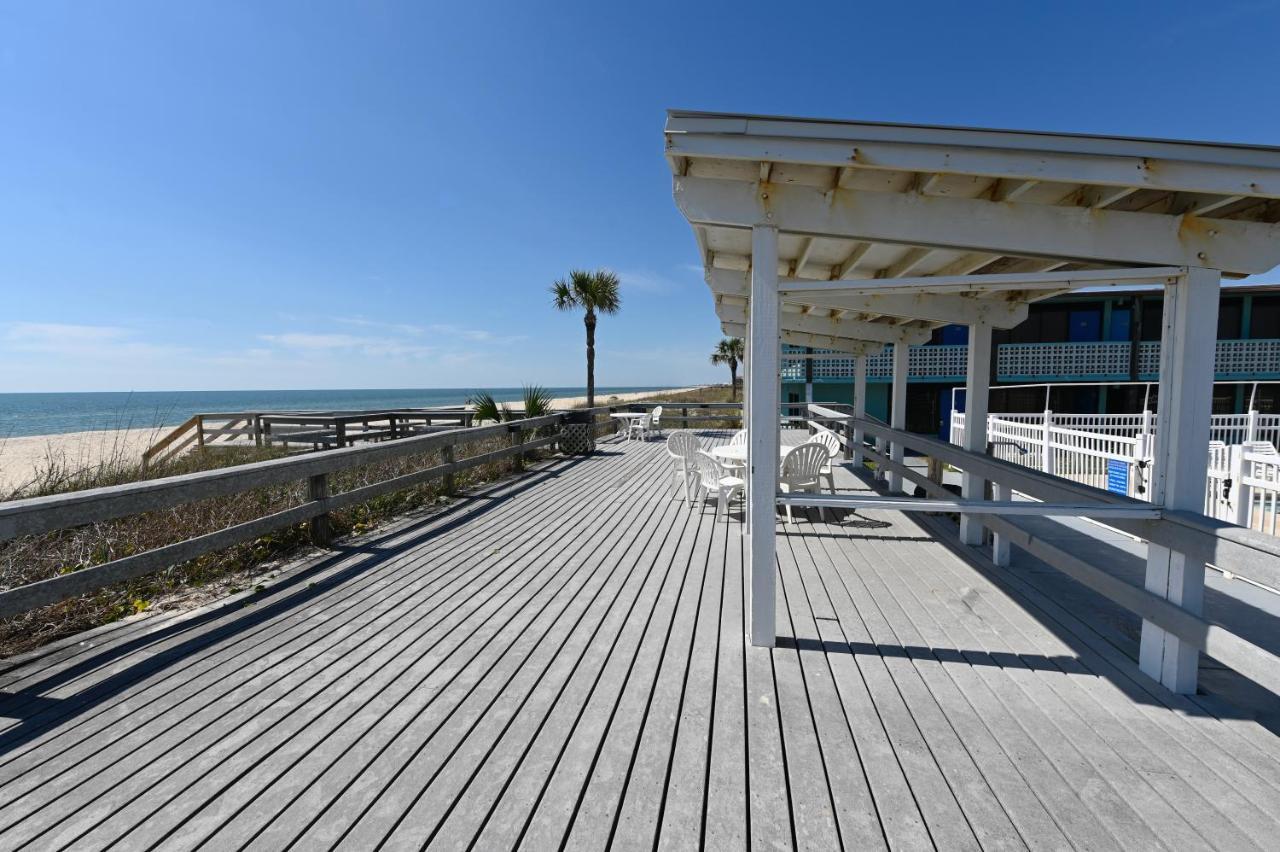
(1102, 348)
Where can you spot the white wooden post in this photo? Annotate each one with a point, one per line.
(999, 543)
(976, 385)
(1241, 494)
(1187, 348)
(859, 404)
(898, 408)
(1046, 446)
(762, 434)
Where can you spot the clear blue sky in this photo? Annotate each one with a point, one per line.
(321, 194)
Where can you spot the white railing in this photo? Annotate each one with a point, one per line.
(1227, 428)
(1244, 485)
(1113, 452)
(1092, 457)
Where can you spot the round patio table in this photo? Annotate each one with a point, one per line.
(736, 454)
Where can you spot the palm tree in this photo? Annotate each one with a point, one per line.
(596, 293)
(730, 351)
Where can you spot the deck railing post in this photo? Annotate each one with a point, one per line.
(762, 436)
(450, 483)
(999, 543)
(1187, 348)
(1046, 443)
(340, 433)
(898, 410)
(200, 431)
(319, 528)
(1241, 496)
(977, 384)
(859, 404)
(517, 438)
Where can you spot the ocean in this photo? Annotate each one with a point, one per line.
(55, 413)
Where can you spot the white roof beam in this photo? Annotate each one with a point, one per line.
(1006, 189)
(1098, 197)
(1206, 206)
(967, 263)
(918, 305)
(803, 257)
(908, 262)
(1236, 170)
(931, 183)
(1042, 282)
(845, 268)
(1103, 236)
(830, 326)
(814, 341)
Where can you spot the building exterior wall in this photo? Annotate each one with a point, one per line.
(1076, 338)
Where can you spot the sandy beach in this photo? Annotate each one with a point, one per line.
(23, 458)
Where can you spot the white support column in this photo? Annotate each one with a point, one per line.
(762, 435)
(898, 408)
(977, 383)
(1000, 544)
(1188, 343)
(859, 404)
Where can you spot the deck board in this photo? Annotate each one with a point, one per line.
(561, 660)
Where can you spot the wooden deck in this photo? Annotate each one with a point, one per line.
(561, 661)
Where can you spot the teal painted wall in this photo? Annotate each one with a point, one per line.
(832, 391)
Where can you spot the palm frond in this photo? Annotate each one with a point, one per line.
(600, 291)
(537, 401)
(730, 350)
(563, 296)
(487, 408)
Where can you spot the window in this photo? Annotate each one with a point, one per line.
(1229, 311)
(1264, 322)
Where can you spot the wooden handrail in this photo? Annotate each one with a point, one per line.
(36, 515)
(150, 452)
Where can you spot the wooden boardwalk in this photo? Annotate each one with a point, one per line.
(561, 661)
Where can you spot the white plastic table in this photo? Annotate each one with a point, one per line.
(736, 454)
(630, 417)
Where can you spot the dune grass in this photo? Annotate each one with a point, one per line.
(32, 558)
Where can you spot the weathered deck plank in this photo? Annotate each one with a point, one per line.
(561, 661)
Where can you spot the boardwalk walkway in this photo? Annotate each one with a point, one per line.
(561, 661)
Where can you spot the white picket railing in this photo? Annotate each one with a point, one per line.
(1244, 485)
(1113, 452)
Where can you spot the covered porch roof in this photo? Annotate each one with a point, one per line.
(977, 219)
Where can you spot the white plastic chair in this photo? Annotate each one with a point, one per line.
(639, 427)
(739, 438)
(683, 448)
(712, 475)
(656, 416)
(802, 471)
(831, 441)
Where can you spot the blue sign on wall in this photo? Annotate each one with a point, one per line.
(1118, 476)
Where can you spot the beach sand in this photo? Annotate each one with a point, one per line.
(23, 458)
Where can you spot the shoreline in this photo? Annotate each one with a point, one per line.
(22, 457)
